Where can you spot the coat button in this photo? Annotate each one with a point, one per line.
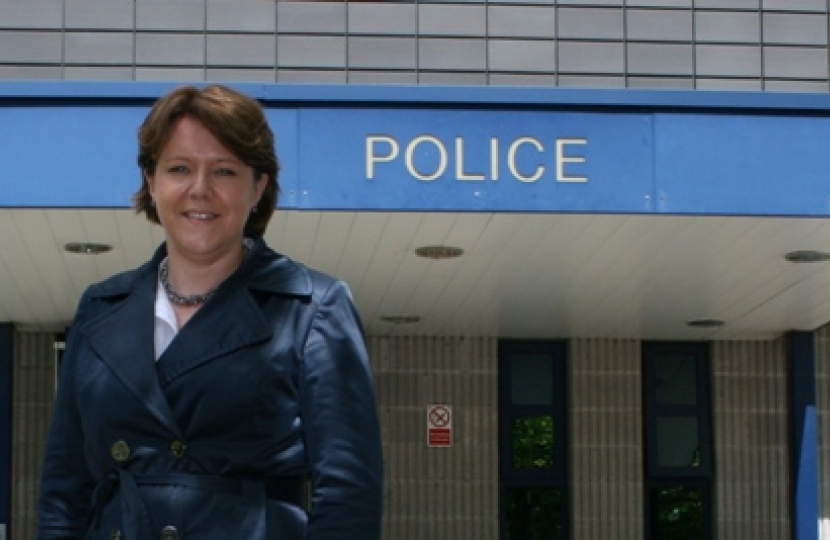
(177, 448)
(115, 534)
(120, 451)
(169, 533)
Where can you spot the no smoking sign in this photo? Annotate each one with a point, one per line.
(439, 425)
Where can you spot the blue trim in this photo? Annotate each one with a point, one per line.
(456, 149)
(6, 373)
(324, 95)
(804, 459)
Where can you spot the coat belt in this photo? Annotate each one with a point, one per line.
(253, 493)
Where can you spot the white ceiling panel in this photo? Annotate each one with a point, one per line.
(389, 255)
(30, 298)
(330, 241)
(521, 275)
(68, 227)
(300, 232)
(56, 290)
(359, 247)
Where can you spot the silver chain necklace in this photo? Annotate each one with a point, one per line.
(189, 299)
(176, 297)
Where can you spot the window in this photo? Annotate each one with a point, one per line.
(678, 441)
(533, 440)
(60, 346)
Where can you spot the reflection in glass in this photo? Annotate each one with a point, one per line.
(533, 442)
(675, 380)
(531, 378)
(679, 513)
(678, 443)
(533, 514)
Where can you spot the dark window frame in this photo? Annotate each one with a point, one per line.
(556, 477)
(657, 477)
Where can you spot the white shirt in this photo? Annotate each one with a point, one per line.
(166, 326)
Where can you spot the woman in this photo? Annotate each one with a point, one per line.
(221, 390)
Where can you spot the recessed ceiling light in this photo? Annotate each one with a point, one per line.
(401, 319)
(807, 256)
(706, 323)
(87, 248)
(439, 252)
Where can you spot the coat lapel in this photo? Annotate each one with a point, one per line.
(123, 335)
(123, 339)
(231, 319)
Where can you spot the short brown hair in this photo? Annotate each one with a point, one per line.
(238, 123)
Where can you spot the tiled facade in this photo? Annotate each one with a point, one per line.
(701, 44)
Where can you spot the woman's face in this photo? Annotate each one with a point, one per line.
(203, 194)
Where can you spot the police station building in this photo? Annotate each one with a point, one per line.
(589, 240)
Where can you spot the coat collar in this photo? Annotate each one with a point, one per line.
(122, 333)
(263, 269)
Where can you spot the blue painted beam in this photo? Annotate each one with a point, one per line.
(804, 459)
(456, 149)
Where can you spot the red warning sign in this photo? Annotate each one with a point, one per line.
(439, 425)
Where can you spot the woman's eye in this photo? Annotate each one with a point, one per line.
(176, 169)
(225, 172)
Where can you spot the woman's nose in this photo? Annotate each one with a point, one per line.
(201, 182)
